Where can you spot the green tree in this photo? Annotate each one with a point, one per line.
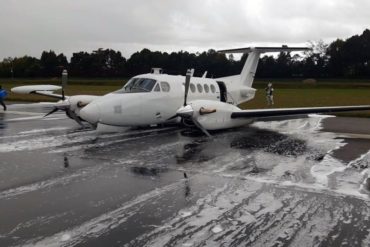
(52, 64)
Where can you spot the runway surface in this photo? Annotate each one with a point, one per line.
(298, 182)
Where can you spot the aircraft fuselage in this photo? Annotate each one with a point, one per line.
(165, 95)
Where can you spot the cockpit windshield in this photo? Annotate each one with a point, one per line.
(137, 85)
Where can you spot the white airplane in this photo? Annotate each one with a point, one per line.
(208, 104)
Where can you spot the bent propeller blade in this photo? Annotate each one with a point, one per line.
(74, 116)
(51, 112)
(187, 84)
(201, 127)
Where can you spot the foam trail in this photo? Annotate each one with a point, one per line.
(41, 131)
(104, 223)
(324, 169)
(107, 143)
(65, 139)
(312, 123)
(48, 183)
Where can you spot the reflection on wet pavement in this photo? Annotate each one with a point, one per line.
(269, 184)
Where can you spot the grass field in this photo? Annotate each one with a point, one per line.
(288, 93)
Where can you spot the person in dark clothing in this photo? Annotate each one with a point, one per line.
(3, 94)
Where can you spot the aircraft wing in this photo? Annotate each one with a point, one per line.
(279, 112)
(45, 90)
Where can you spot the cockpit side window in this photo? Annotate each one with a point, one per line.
(157, 88)
(143, 85)
(137, 85)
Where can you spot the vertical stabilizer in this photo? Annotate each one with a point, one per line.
(250, 66)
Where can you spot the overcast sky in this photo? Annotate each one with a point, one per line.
(67, 26)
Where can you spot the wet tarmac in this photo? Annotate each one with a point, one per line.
(298, 182)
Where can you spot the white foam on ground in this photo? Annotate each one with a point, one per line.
(221, 211)
(42, 131)
(106, 143)
(245, 213)
(312, 123)
(324, 169)
(24, 118)
(217, 229)
(329, 173)
(21, 119)
(41, 143)
(102, 128)
(88, 172)
(258, 203)
(44, 142)
(104, 223)
(362, 162)
(302, 171)
(24, 113)
(185, 213)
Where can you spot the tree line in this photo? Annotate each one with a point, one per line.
(341, 58)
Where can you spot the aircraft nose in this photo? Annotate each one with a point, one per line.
(90, 113)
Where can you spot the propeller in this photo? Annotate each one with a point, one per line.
(52, 111)
(187, 111)
(64, 82)
(73, 115)
(187, 85)
(65, 106)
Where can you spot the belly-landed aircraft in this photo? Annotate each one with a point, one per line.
(157, 98)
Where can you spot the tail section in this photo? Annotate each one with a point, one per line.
(250, 66)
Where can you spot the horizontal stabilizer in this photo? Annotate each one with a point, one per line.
(277, 112)
(265, 49)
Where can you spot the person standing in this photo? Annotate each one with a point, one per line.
(269, 94)
(3, 95)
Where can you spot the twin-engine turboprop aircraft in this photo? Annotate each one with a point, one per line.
(156, 98)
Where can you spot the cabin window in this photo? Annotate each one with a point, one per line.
(213, 89)
(157, 88)
(206, 88)
(165, 86)
(192, 87)
(200, 88)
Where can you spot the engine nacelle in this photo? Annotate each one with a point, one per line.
(214, 115)
(77, 102)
